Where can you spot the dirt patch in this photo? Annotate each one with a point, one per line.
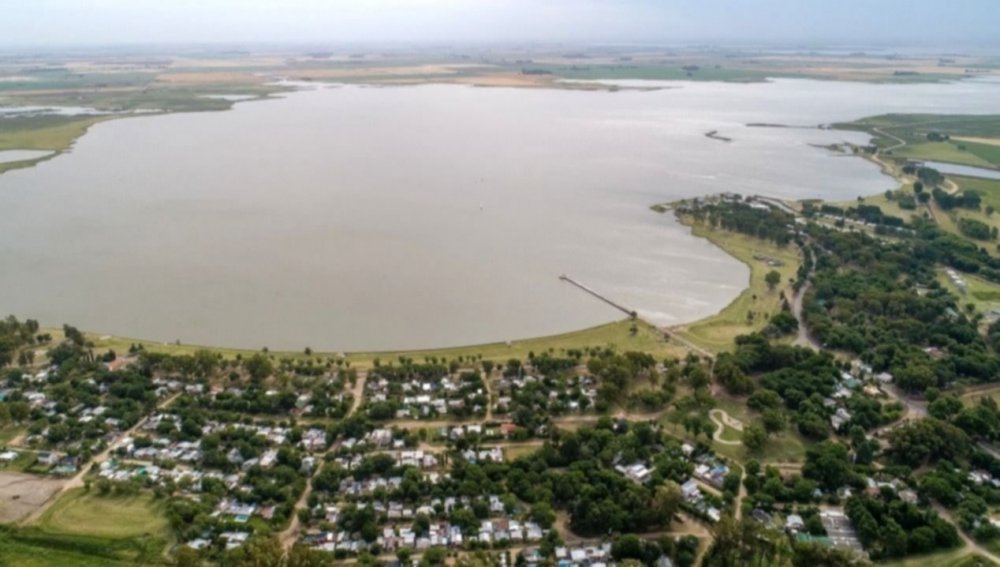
(984, 141)
(21, 494)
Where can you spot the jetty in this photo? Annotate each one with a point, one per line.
(603, 298)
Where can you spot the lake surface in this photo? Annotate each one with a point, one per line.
(359, 217)
(966, 170)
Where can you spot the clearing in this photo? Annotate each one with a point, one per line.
(21, 494)
(80, 512)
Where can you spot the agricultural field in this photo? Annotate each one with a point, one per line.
(965, 140)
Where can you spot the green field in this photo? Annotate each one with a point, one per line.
(913, 129)
(954, 558)
(951, 152)
(655, 73)
(716, 333)
(78, 512)
(27, 547)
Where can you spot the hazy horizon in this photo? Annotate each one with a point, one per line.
(70, 23)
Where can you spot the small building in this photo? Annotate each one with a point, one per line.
(794, 523)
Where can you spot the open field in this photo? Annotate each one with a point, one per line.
(963, 147)
(21, 494)
(647, 339)
(81, 513)
(26, 547)
(9, 432)
(954, 558)
(716, 333)
(983, 294)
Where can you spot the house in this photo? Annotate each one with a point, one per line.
(8, 457)
(794, 523)
(47, 458)
(838, 419)
(884, 378)
(690, 491)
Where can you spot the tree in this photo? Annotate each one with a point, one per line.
(302, 556)
(754, 438)
(829, 464)
(667, 501)
(186, 557)
(773, 278)
(259, 367)
(773, 420)
(262, 551)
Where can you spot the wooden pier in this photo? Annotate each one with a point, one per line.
(610, 302)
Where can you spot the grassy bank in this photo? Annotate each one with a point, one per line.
(618, 334)
(716, 333)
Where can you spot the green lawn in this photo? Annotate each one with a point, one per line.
(954, 558)
(79, 512)
(716, 333)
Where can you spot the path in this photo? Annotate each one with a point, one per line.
(76, 481)
(970, 543)
(673, 333)
(289, 535)
(803, 338)
(723, 419)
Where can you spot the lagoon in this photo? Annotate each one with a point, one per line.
(353, 217)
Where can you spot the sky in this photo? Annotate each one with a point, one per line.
(936, 23)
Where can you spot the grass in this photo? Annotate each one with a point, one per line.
(22, 463)
(716, 333)
(953, 558)
(28, 547)
(9, 432)
(946, 152)
(989, 190)
(647, 339)
(649, 72)
(983, 294)
(914, 128)
(79, 512)
(888, 206)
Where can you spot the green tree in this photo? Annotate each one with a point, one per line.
(773, 278)
(754, 438)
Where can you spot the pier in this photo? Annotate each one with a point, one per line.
(610, 302)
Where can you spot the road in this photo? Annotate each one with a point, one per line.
(289, 535)
(970, 543)
(76, 481)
